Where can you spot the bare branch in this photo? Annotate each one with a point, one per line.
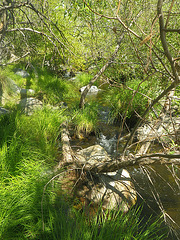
(164, 42)
(113, 165)
(16, 60)
(15, 5)
(171, 30)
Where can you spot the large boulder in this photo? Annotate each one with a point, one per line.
(114, 190)
(93, 155)
(111, 190)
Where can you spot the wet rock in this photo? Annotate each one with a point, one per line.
(93, 89)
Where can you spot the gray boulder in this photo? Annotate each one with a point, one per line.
(13, 88)
(111, 190)
(93, 155)
(22, 73)
(29, 105)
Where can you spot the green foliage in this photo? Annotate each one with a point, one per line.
(123, 98)
(82, 79)
(28, 148)
(69, 224)
(34, 136)
(86, 120)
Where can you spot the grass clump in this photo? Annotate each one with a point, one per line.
(70, 224)
(86, 120)
(28, 150)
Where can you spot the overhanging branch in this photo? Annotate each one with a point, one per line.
(171, 30)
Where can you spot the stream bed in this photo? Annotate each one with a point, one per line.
(162, 195)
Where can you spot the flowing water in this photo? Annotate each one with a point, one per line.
(156, 184)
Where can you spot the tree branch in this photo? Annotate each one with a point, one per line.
(171, 30)
(164, 42)
(113, 165)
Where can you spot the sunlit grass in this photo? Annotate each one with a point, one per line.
(86, 120)
(29, 149)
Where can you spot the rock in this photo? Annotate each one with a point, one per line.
(21, 73)
(3, 111)
(26, 93)
(12, 86)
(93, 90)
(69, 74)
(93, 155)
(163, 130)
(111, 190)
(114, 190)
(29, 105)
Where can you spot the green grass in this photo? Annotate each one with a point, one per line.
(29, 149)
(28, 152)
(86, 120)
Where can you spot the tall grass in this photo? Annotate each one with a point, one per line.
(86, 120)
(29, 149)
(70, 224)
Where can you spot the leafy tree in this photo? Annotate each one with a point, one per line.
(27, 30)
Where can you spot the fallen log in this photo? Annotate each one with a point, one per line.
(110, 165)
(67, 151)
(100, 162)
